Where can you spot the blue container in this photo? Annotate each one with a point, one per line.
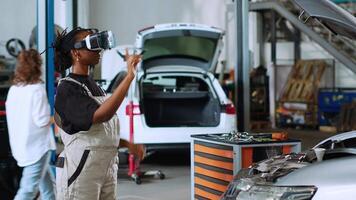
(331, 100)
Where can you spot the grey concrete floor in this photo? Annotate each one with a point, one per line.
(176, 185)
(176, 166)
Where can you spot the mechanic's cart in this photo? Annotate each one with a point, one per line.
(215, 160)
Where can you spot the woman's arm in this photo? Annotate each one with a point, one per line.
(107, 110)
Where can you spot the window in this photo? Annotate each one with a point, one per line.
(199, 48)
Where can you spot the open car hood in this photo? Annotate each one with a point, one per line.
(319, 173)
(191, 45)
(332, 16)
(336, 147)
(296, 169)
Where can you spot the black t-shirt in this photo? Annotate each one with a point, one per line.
(73, 104)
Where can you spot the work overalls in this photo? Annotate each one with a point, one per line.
(87, 167)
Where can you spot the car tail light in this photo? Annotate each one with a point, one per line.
(229, 109)
(2, 108)
(133, 109)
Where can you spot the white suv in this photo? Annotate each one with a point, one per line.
(175, 94)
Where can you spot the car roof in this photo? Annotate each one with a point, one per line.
(177, 26)
(332, 16)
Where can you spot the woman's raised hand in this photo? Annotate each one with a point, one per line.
(132, 61)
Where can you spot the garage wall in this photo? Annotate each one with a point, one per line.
(309, 50)
(285, 58)
(125, 18)
(18, 17)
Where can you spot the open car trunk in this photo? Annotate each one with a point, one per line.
(171, 101)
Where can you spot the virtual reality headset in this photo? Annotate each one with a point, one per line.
(97, 41)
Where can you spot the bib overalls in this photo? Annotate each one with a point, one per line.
(87, 167)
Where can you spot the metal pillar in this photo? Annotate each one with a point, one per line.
(50, 52)
(274, 49)
(45, 36)
(75, 14)
(297, 49)
(242, 66)
(273, 38)
(262, 38)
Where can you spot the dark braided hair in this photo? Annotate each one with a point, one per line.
(63, 45)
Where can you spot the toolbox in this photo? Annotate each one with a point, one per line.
(216, 158)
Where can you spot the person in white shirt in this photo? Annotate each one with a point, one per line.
(29, 125)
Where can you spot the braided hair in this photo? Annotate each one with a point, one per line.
(63, 45)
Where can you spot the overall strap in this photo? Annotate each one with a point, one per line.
(102, 90)
(77, 82)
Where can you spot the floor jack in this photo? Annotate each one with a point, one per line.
(134, 163)
(136, 174)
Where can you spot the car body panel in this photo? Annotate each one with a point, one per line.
(333, 177)
(332, 16)
(174, 68)
(338, 137)
(320, 174)
(174, 134)
(143, 134)
(212, 45)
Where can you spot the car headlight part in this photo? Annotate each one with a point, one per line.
(245, 189)
(236, 187)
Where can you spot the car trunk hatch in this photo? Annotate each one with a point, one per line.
(184, 46)
(186, 101)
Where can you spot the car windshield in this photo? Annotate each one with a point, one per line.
(335, 144)
(199, 48)
(337, 149)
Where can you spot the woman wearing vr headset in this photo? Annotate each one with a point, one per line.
(87, 167)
